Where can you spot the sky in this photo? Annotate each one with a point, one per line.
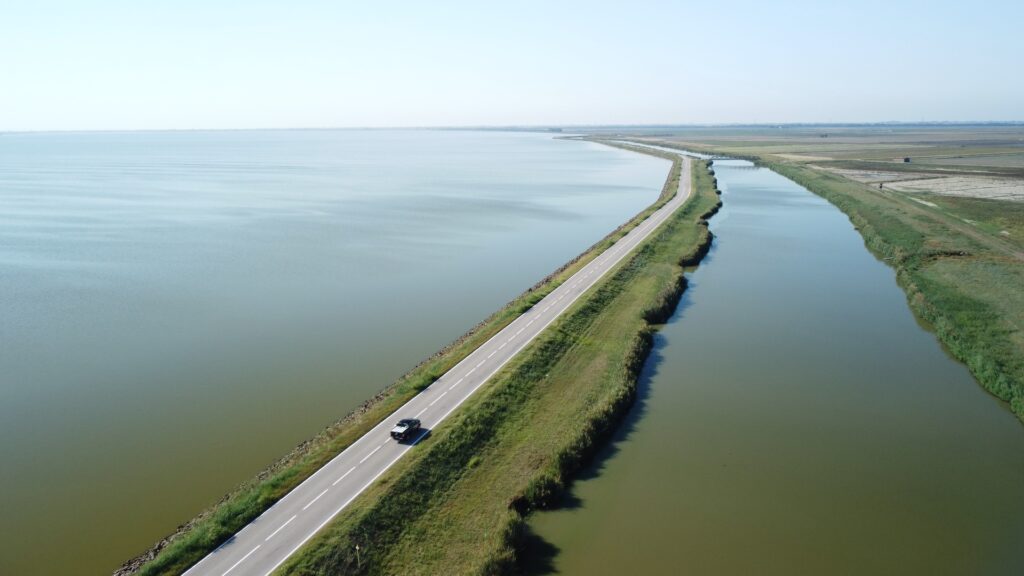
(194, 64)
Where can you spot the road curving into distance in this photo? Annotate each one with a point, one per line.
(266, 542)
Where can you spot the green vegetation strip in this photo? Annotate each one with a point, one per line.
(967, 287)
(455, 505)
(959, 260)
(197, 538)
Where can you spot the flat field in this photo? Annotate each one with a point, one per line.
(983, 161)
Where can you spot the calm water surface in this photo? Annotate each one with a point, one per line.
(795, 419)
(179, 309)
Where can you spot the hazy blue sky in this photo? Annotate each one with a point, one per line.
(108, 64)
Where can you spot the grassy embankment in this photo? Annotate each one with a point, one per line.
(965, 286)
(962, 274)
(456, 504)
(212, 527)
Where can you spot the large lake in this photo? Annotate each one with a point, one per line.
(179, 309)
(795, 419)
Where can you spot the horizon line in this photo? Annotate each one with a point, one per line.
(543, 127)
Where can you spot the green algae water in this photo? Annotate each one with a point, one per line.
(795, 419)
(179, 309)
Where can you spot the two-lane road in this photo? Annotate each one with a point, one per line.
(264, 544)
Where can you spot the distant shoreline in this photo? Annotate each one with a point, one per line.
(548, 128)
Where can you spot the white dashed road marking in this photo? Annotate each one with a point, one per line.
(235, 565)
(343, 476)
(318, 496)
(367, 457)
(274, 533)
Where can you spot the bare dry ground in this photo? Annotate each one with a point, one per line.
(993, 187)
(871, 176)
(968, 186)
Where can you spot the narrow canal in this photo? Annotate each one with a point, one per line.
(796, 419)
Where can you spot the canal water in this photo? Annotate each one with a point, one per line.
(179, 309)
(796, 419)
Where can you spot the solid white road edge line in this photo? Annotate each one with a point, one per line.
(340, 508)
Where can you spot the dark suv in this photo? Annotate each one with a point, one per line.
(405, 429)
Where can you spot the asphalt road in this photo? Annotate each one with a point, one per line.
(263, 545)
